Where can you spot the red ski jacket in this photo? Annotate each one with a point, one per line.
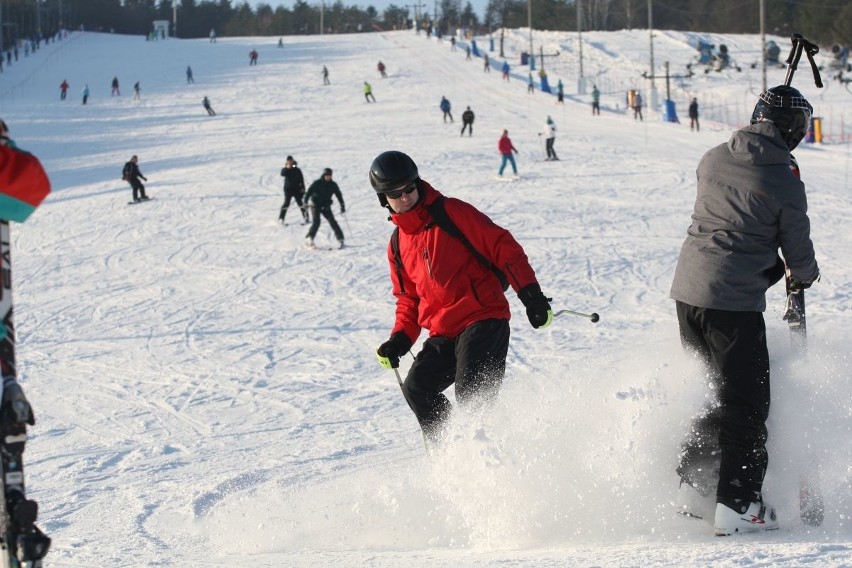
(446, 288)
(505, 146)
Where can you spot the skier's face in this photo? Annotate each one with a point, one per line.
(405, 201)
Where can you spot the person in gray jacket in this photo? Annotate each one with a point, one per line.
(749, 203)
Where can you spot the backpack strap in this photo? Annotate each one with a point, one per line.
(443, 221)
(397, 258)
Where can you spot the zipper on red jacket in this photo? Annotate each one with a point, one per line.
(426, 260)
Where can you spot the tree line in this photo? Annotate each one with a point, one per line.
(823, 21)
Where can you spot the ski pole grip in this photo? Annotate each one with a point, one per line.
(594, 317)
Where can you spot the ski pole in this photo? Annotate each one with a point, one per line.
(592, 316)
(810, 49)
(348, 228)
(398, 377)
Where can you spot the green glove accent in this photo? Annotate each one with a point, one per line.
(386, 361)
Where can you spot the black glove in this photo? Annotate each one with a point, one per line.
(538, 306)
(391, 350)
(796, 284)
(342, 209)
(775, 273)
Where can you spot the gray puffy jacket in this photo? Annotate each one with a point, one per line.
(749, 203)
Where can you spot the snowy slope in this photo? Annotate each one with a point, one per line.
(206, 389)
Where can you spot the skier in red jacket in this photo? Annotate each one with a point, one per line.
(442, 286)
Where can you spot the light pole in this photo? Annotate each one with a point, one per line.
(651, 37)
(581, 82)
(529, 24)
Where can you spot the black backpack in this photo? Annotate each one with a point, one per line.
(443, 221)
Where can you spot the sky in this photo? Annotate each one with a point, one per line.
(206, 389)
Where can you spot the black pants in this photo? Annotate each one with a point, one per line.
(732, 431)
(551, 153)
(475, 361)
(325, 212)
(138, 189)
(469, 127)
(290, 194)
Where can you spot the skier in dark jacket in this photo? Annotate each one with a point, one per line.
(693, 115)
(441, 286)
(206, 104)
(749, 202)
(319, 198)
(131, 175)
(445, 108)
(467, 121)
(294, 188)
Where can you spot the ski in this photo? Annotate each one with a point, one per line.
(22, 544)
(140, 201)
(811, 504)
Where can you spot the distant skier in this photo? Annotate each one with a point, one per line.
(212, 35)
(319, 198)
(381, 68)
(560, 92)
(467, 122)
(506, 70)
(325, 80)
(368, 92)
(637, 106)
(596, 100)
(294, 188)
(115, 91)
(486, 65)
(445, 108)
(136, 93)
(506, 148)
(550, 132)
(85, 94)
(189, 78)
(63, 90)
(252, 57)
(207, 107)
(131, 175)
(693, 115)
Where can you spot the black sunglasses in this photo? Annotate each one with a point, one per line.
(396, 194)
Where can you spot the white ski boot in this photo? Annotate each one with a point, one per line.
(750, 517)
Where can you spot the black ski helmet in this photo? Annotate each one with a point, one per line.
(390, 171)
(787, 109)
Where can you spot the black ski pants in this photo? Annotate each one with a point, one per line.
(290, 194)
(551, 153)
(138, 189)
(469, 127)
(475, 361)
(325, 212)
(733, 346)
